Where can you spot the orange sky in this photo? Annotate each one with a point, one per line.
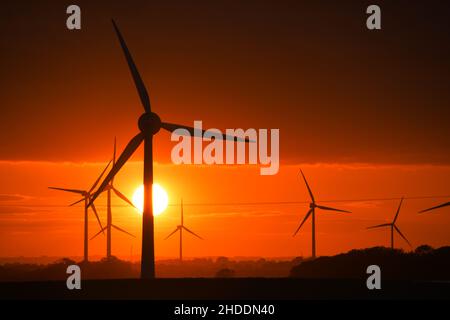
(40, 223)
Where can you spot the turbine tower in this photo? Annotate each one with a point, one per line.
(436, 207)
(149, 124)
(180, 229)
(87, 195)
(312, 212)
(109, 224)
(393, 227)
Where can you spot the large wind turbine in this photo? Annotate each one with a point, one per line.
(393, 227)
(86, 198)
(180, 229)
(149, 124)
(436, 207)
(109, 225)
(312, 212)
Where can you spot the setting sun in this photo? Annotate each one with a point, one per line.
(160, 199)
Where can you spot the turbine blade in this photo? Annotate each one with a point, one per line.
(191, 232)
(123, 197)
(304, 219)
(171, 127)
(114, 157)
(332, 209)
(172, 233)
(115, 150)
(401, 234)
(307, 186)
(76, 202)
(126, 154)
(140, 86)
(121, 230)
(436, 207)
(101, 231)
(398, 211)
(99, 178)
(380, 225)
(68, 190)
(96, 215)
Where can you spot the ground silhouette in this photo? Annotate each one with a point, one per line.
(421, 274)
(114, 268)
(422, 264)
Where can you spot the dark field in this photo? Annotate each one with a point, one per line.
(420, 274)
(244, 288)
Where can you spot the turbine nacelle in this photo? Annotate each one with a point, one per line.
(149, 122)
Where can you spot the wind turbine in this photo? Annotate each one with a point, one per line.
(149, 124)
(180, 229)
(393, 227)
(312, 212)
(436, 207)
(87, 195)
(109, 225)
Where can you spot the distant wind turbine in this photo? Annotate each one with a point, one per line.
(87, 195)
(109, 225)
(180, 229)
(436, 207)
(393, 227)
(312, 213)
(149, 124)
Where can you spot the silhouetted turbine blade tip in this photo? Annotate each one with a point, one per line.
(380, 225)
(139, 83)
(401, 234)
(126, 154)
(122, 230)
(68, 190)
(101, 231)
(435, 207)
(333, 209)
(172, 233)
(97, 216)
(123, 197)
(192, 233)
(301, 224)
(307, 186)
(398, 210)
(100, 177)
(76, 202)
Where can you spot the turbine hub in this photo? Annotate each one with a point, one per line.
(150, 122)
(312, 205)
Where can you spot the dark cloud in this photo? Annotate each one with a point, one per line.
(338, 92)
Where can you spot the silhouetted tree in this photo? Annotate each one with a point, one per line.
(225, 273)
(424, 249)
(222, 260)
(426, 264)
(66, 261)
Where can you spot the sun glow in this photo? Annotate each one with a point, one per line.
(160, 199)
